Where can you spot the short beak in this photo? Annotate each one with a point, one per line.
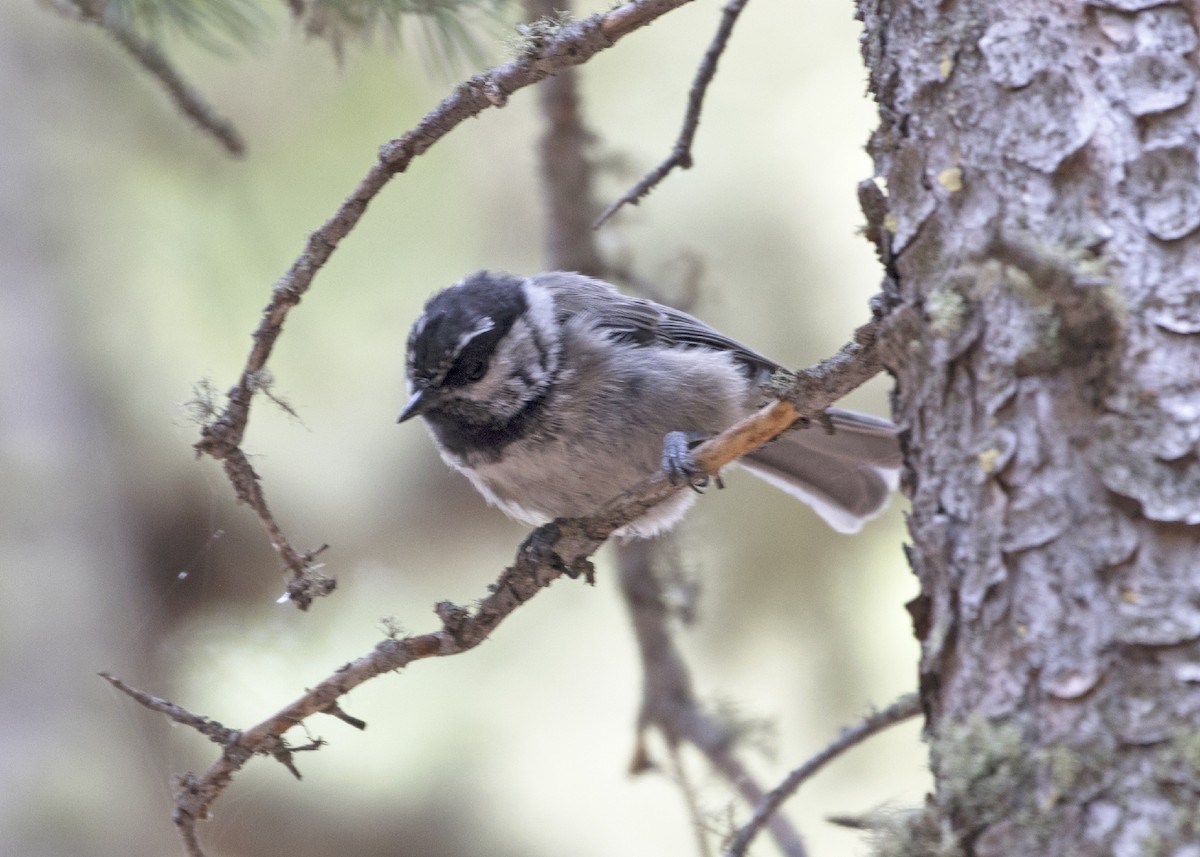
(418, 403)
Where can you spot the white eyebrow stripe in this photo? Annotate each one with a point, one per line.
(485, 324)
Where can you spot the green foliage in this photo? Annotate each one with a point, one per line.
(215, 24)
(446, 25)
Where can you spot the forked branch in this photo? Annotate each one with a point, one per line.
(562, 546)
(902, 709)
(681, 152)
(570, 45)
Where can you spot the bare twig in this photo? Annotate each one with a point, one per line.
(691, 799)
(681, 152)
(211, 729)
(668, 701)
(571, 45)
(147, 54)
(560, 547)
(900, 710)
(334, 710)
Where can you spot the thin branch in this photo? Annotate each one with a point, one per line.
(211, 729)
(668, 700)
(560, 547)
(191, 844)
(334, 710)
(681, 153)
(571, 45)
(147, 54)
(902, 709)
(691, 799)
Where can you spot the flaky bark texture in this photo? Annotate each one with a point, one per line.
(1042, 232)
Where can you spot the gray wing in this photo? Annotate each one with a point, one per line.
(641, 321)
(846, 476)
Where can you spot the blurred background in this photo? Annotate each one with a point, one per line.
(134, 261)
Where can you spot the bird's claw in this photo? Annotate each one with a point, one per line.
(679, 465)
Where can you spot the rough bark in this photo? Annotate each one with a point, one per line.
(1042, 234)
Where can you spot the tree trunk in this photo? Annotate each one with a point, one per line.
(1042, 233)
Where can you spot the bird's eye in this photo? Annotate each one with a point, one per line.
(473, 360)
(474, 369)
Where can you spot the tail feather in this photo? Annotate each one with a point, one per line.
(847, 477)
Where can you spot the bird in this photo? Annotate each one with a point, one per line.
(554, 393)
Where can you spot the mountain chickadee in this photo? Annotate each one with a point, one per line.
(554, 393)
